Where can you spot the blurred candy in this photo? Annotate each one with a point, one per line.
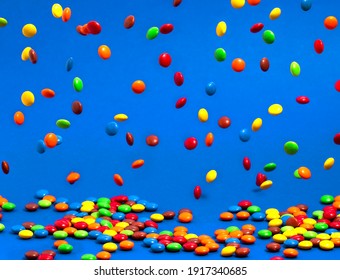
(328, 164)
(137, 163)
(203, 115)
(336, 139)
(210, 88)
(57, 10)
(120, 117)
(237, 4)
(152, 33)
(118, 179)
(264, 64)
(268, 36)
(5, 167)
(73, 177)
(190, 143)
(181, 102)
(275, 13)
(238, 65)
(176, 3)
(275, 109)
(337, 85)
(257, 27)
(111, 128)
(318, 46)
(33, 56)
(104, 52)
(93, 27)
(25, 53)
(138, 86)
(291, 148)
(164, 60)
(3, 22)
(129, 139)
(304, 172)
(19, 118)
(77, 107)
(302, 99)
(224, 122)
(66, 14)
(253, 2)
(63, 123)
(209, 139)
(47, 92)
(197, 192)
(295, 69)
(244, 135)
(29, 30)
(220, 54)
(178, 78)
(69, 64)
(331, 22)
(129, 22)
(256, 125)
(78, 84)
(221, 28)
(27, 98)
(266, 185)
(51, 140)
(246, 163)
(306, 5)
(211, 176)
(41, 147)
(166, 28)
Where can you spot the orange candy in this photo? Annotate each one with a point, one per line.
(66, 14)
(254, 2)
(49, 198)
(290, 253)
(19, 118)
(72, 177)
(222, 237)
(336, 204)
(51, 140)
(242, 215)
(236, 234)
(307, 226)
(93, 226)
(180, 233)
(126, 245)
(104, 52)
(212, 246)
(118, 179)
(152, 235)
(138, 86)
(221, 230)
(137, 163)
(248, 239)
(304, 172)
(103, 255)
(70, 230)
(181, 228)
(201, 250)
(209, 139)
(249, 227)
(185, 217)
(238, 65)
(57, 243)
(226, 216)
(61, 207)
(336, 242)
(3, 200)
(331, 22)
(47, 92)
(293, 209)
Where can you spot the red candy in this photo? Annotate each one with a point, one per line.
(45, 257)
(297, 237)
(318, 46)
(337, 85)
(61, 224)
(80, 225)
(244, 204)
(164, 236)
(197, 192)
(181, 102)
(166, 28)
(277, 258)
(165, 242)
(329, 215)
(164, 60)
(51, 229)
(189, 246)
(257, 27)
(120, 237)
(120, 198)
(190, 143)
(179, 239)
(302, 99)
(150, 223)
(337, 138)
(260, 178)
(131, 216)
(179, 78)
(93, 27)
(246, 163)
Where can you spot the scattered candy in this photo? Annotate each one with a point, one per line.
(29, 30)
(152, 33)
(211, 176)
(268, 36)
(275, 13)
(129, 22)
(328, 164)
(166, 28)
(275, 109)
(295, 69)
(104, 52)
(138, 86)
(220, 54)
(257, 27)
(19, 118)
(221, 28)
(331, 22)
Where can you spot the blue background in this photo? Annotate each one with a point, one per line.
(170, 172)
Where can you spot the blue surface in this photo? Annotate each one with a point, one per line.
(170, 172)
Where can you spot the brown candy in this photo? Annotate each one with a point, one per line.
(77, 108)
(273, 247)
(129, 21)
(31, 255)
(168, 215)
(129, 138)
(138, 235)
(133, 228)
(242, 252)
(152, 140)
(292, 222)
(28, 225)
(274, 230)
(302, 207)
(5, 167)
(140, 225)
(31, 206)
(224, 122)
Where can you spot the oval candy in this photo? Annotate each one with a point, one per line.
(319, 46)
(129, 22)
(257, 27)
(178, 78)
(166, 28)
(302, 99)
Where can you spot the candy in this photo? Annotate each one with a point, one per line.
(178, 78)
(253, 2)
(224, 122)
(221, 28)
(138, 86)
(244, 135)
(256, 125)
(328, 164)
(93, 27)
(50, 140)
(104, 52)
(268, 36)
(27, 98)
(176, 3)
(266, 184)
(197, 192)
(257, 27)
(295, 69)
(32, 55)
(25, 53)
(48, 93)
(129, 138)
(275, 109)
(190, 143)
(291, 147)
(63, 123)
(152, 33)
(211, 176)
(29, 30)
(203, 115)
(72, 177)
(88, 257)
(269, 167)
(220, 54)
(246, 163)
(327, 199)
(166, 28)
(319, 46)
(3, 22)
(264, 64)
(237, 4)
(331, 22)
(164, 60)
(302, 99)
(69, 64)
(209, 139)
(78, 84)
(111, 128)
(210, 88)
(129, 22)
(66, 14)
(306, 5)
(238, 65)
(336, 138)
(275, 13)
(304, 172)
(137, 163)
(326, 245)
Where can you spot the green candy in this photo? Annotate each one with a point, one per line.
(62, 123)
(232, 228)
(318, 214)
(253, 209)
(88, 257)
(295, 69)
(291, 148)
(127, 232)
(60, 234)
(309, 234)
(81, 234)
(2, 227)
(95, 214)
(65, 248)
(327, 199)
(167, 232)
(264, 233)
(285, 228)
(103, 204)
(124, 208)
(103, 200)
(78, 84)
(220, 54)
(269, 167)
(320, 226)
(106, 223)
(3, 22)
(104, 212)
(174, 247)
(296, 174)
(36, 227)
(268, 36)
(44, 203)
(8, 206)
(152, 33)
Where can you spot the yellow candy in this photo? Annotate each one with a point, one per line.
(305, 244)
(323, 236)
(110, 232)
(76, 220)
(256, 125)
(290, 233)
(86, 208)
(266, 184)
(275, 13)
(88, 202)
(29, 30)
(271, 210)
(203, 115)
(237, 4)
(335, 235)
(276, 222)
(110, 247)
(300, 230)
(156, 217)
(120, 117)
(328, 163)
(190, 235)
(272, 216)
(138, 207)
(90, 220)
(309, 221)
(25, 234)
(326, 245)
(211, 176)
(57, 10)
(275, 109)
(122, 224)
(221, 28)
(228, 251)
(279, 238)
(27, 98)
(25, 53)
